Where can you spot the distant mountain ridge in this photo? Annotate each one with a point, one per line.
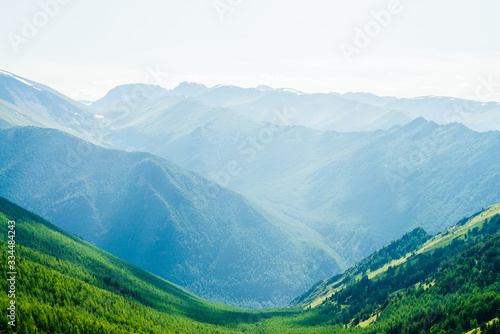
(359, 190)
(130, 94)
(24, 102)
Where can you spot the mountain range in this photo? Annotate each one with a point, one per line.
(298, 197)
(359, 190)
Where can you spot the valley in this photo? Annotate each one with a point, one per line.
(241, 167)
(67, 285)
(329, 198)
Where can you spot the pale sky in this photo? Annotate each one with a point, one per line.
(85, 48)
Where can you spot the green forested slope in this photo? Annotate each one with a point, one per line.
(448, 284)
(66, 285)
(377, 261)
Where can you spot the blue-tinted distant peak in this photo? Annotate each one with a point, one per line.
(368, 98)
(131, 92)
(264, 88)
(189, 89)
(419, 122)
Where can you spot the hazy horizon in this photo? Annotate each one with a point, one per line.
(388, 48)
(249, 87)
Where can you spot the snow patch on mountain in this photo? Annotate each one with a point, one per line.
(19, 79)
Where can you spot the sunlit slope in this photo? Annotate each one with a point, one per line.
(412, 244)
(66, 285)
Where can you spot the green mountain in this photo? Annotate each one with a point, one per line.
(448, 284)
(374, 263)
(160, 217)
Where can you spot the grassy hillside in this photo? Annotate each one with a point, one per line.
(399, 253)
(448, 283)
(392, 254)
(65, 285)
